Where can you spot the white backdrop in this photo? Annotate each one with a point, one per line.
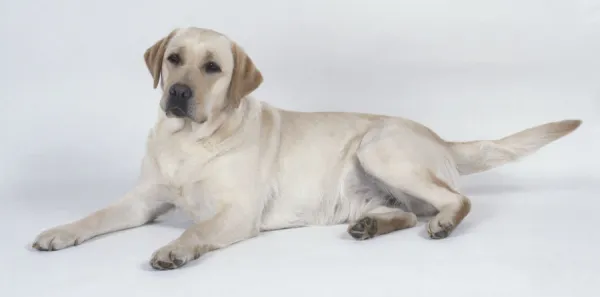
(78, 102)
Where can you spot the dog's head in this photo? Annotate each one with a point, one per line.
(201, 73)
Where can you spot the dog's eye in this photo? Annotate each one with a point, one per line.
(212, 67)
(174, 58)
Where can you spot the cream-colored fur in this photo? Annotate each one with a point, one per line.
(239, 166)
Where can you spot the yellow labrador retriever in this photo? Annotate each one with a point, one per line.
(239, 166)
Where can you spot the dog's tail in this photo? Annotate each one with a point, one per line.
(477, 156)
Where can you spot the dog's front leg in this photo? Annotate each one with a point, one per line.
(230, 225)
(139, 206)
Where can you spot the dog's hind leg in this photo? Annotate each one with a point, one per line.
(452, 206)
(411, 164)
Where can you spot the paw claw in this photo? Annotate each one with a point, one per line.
(178, 262)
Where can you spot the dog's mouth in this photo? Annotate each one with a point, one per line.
(175, 112)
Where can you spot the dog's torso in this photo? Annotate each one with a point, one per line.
(288, 169)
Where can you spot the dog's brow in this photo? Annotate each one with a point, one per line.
(177, 49)
(210, 55)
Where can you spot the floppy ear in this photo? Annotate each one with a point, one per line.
(154, 57)
(245, 78)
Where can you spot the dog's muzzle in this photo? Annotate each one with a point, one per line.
(178, 101)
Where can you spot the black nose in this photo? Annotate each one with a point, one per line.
(179, 91)
(178, 102)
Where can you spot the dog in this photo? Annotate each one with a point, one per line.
(239, 166)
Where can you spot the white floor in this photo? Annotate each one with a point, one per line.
(523, 238)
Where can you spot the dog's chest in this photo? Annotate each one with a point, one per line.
(180, 160)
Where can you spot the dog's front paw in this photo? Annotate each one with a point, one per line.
(173, 256)
(57, 239)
